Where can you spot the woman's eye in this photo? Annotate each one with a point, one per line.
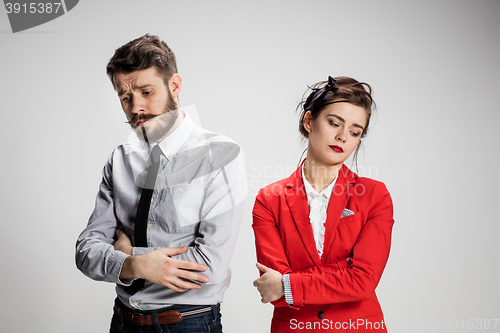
(334, 124)
(355, 134)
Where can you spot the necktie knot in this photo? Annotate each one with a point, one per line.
(155, 154)
(154, 164)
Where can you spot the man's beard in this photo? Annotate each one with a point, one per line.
(157, 126)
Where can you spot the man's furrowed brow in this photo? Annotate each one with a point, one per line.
(143, 86)
(135, 87)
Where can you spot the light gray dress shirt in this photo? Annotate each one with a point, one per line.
(197, 201)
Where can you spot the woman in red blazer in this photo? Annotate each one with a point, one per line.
(323, 234)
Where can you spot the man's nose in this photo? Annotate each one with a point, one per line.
(138, 105)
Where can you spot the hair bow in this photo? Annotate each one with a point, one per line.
(331, 83)
(319, 93)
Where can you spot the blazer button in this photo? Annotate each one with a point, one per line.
(321, 315)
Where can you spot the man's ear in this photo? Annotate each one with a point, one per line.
(174, 84)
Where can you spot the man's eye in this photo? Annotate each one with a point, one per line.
(126, 98)
(147, 92)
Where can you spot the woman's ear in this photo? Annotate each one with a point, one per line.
(307, 122)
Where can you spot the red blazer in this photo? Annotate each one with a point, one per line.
(328, 293)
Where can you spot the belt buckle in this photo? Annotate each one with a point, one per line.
(137, 315)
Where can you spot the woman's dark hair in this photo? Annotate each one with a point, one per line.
(142, 53)
(327, 92)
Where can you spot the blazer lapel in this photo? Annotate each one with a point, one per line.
(296, 199)
(344, 187)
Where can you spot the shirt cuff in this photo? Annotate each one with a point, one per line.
(115, 264)
(288, 289)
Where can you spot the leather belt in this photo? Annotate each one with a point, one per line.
(165, 317)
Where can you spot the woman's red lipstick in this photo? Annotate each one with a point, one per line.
(337, 149)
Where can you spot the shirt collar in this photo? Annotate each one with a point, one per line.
(311, 192)
(173, 142)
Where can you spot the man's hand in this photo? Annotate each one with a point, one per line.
(159, 268)
(123, 243)
(269, 285)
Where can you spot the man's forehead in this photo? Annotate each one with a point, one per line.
(137, 79)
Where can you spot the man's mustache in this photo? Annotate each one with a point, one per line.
(136, 118)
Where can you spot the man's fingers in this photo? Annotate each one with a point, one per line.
(119, 233)
(191, 266)
(175, 288)
(193, 276)
(178, 275)
(182, 285)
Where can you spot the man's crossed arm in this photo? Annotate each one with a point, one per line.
(158, 266)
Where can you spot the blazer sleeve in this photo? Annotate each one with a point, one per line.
(369, 256)
(269, 246)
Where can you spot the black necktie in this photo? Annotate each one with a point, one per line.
(141, 219)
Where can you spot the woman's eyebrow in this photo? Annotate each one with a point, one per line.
(358, 125)
(338, 117)
(343, 120)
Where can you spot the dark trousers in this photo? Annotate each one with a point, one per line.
(205, 322)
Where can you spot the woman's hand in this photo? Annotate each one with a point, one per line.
(270, 284)
(123, 243)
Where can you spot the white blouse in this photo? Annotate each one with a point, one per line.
(318, 203)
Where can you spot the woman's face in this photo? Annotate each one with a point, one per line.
(335, 133)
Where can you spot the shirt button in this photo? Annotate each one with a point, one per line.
(321, 315)
(150, 225)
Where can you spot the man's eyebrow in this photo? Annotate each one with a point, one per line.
(123, 91)
(143, 86)
(343, 120)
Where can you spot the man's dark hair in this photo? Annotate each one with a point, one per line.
(142, 53)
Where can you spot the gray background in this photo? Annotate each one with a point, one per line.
(434, 67)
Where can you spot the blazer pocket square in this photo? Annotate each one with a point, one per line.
(346, 212)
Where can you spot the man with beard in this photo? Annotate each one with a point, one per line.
(169, 205)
